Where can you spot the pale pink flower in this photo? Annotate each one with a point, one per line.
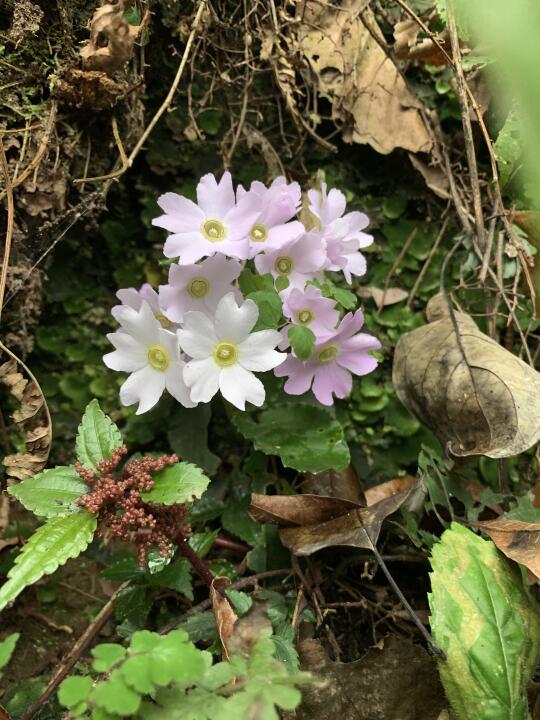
(199, 287)
(225, 353)
(134, 299)
(328, 370)
(309, 308)
(342, 232)
(215, 224)
(151, 355)
(277, 204)
(298, 260)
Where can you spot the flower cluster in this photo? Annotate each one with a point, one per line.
(196, 336)
(116, 498)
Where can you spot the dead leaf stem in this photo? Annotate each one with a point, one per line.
(395, 265)
(414, 617)
(467, 126)
(9, 225)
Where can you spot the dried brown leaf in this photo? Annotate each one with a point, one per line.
(381, 297)
(111, 39)
(248, 629)
(518, 540)
(369, 97)
(225, 616)
(319, 522)
(477, 397)
(344, 484)
(434, 176)
(29, 417)
(386, 489)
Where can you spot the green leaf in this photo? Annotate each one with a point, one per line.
(98, 436)
(179, 483)
(115, 696)
(302, 341)
(106, 656)
(270, 305)
(306, 437)
(344, 297)
(51, 492)
(7, 647)
(60, 539)
(175, 576)
(188, 436)
(74, 690)
(250, 282)
(281, 283)
(133, 604)
(487, 624)
(508, 147)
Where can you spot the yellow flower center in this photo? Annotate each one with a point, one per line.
(327, 354)
(214, 230)
(283, 265)
(258, 233)
(158, 357)
(225, 354)
(164, 321)
(304, 316)
(198, 287)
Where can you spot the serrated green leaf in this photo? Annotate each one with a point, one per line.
(51, 492)
(98, 436)
(133, 604)
(115, 696)
(179, 483)
(270, 305)
(74, 690)
(106, 656)
(306, 437)
(7, 647)
(302, 341)
(485, 622)
(60, 539)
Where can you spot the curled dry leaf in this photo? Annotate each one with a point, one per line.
(369, 97)
(517, 539)
(478, 398)
(386, 489)
(32, 417)
(225, 616)
(108, 25)
(313, 522)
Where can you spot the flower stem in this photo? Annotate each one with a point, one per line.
(200, 567)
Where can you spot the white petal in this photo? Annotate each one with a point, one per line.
(198, 338)
(141, 325)
(129, 355)
(144, 386)
(257, 351)
(181, 214)
(215, 199)
(238, 385)
(190, 246)
(175, 384)
(232, 322)
(130, 297)
(202, 378)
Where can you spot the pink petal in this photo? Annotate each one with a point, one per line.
(215, 199)
(181, 214)
(331, 379)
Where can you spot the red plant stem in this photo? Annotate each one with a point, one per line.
(182, 542)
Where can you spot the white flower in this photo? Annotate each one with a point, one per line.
(152, 356)
(225, 352)
(198, 287)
